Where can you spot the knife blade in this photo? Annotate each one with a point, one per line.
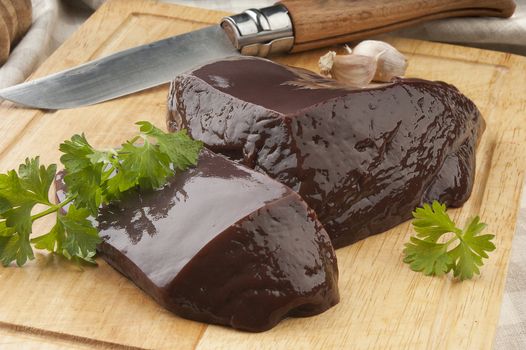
(289, 26)
(123, 73)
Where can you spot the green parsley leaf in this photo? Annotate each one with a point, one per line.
(144, 165)
(51, 241)
(431, 221)
(6, 231)
(19, 193)
(182, 150)
(81, 236)
(83, 174)
(72, 236)
(19, 218)
(426, 254)
(15, 248)
(77, 152)
(30, 185)
(37, 178)
(429, 257)
(479, 243)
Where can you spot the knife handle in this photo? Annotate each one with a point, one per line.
(319, 23)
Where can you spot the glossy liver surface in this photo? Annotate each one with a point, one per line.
(222, 244)
(363, 159)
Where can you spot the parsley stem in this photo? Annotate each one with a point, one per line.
(52, 209)
(451, 241)
(458, 234)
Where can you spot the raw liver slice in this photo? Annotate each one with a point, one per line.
(222, 244)
(363, 159)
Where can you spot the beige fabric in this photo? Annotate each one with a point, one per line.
(33, 48)
(484, 32)
(511, 334)
(55, 20)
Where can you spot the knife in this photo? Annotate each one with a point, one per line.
(288, 26)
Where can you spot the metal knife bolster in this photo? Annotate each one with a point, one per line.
(260, 32)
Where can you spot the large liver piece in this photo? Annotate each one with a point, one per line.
(363, 159)
(222, 244)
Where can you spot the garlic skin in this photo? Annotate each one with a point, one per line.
(326, 63)
(351, 69)
(391, 62)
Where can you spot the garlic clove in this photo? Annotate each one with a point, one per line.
(391, 62)
(354, 70)
(350, 69)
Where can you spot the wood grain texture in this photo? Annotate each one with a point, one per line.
(5, 41)
(384, 304)
(16, 338)
(24, 14)
(319, 23)
(8, 13)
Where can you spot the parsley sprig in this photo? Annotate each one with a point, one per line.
(462, 253)
(93, 178)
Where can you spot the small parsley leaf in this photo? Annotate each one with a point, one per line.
(19, 218)
(145, 165)
(426, 254)
(72, 236)
(429, 257)
(431, 221)
(15, 248)
(51, 241)
(83, 175)
(182, 150)
(81, 237)
(19, 193)
(30, 185)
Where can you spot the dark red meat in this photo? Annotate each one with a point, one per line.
(363, 159)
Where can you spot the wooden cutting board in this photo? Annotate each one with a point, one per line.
(51, 303)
